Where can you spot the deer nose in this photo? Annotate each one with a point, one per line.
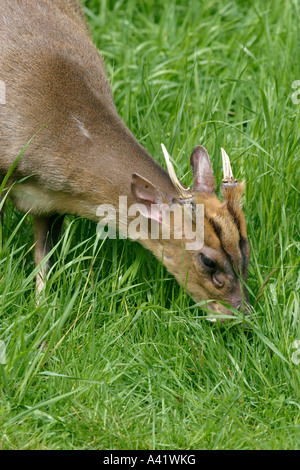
(240, 300)
(241, 304)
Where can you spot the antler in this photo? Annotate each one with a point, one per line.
(227, 171)
(184, 193)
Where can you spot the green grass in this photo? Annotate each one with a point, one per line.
(116, 356)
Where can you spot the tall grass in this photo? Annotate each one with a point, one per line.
(116, 355)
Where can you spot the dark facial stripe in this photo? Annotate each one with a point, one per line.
(218, 231)
(245, 252)
(243, 242)
(235, 217)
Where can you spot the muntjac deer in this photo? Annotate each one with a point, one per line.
(84, 155)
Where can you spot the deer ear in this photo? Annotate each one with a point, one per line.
(147, 196)
(203, 175)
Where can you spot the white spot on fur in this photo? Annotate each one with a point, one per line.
(82, 128)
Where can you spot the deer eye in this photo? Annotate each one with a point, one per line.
(209, 263)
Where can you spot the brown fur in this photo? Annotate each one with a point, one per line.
(85, 155)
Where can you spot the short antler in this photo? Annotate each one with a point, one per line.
(184, 193)
(228, 178)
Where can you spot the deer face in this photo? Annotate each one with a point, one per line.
(217, 270)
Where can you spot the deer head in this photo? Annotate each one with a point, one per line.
(217, 270)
